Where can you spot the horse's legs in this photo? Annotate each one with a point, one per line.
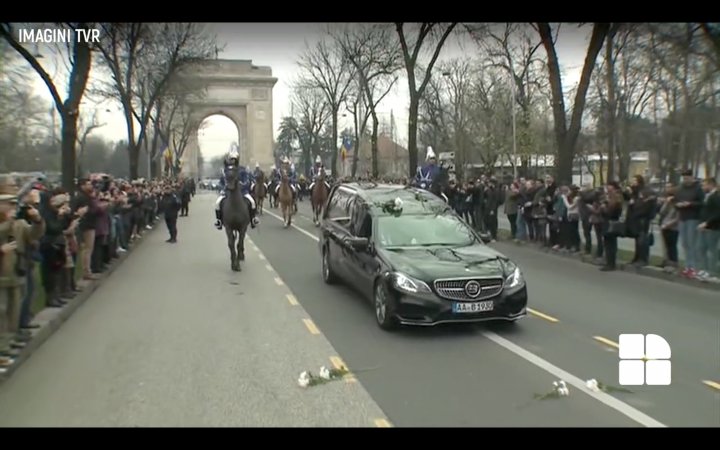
(231, 245)
(241, 246)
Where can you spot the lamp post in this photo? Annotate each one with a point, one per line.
(514, 126)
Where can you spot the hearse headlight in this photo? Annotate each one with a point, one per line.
(409, 284)
(515, 279)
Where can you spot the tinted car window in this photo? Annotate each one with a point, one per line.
(421, 229)
(339, 207)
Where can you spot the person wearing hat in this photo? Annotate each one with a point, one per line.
(427, 173)
(16, 237)
(689, 198)
(315, 171)
(288, 168)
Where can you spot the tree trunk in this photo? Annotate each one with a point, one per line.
(154, 168)
(334, 143)
(69, 138)
(611, 107)
(134, 159)
(374, 145)
(567, 137)
(412, 135)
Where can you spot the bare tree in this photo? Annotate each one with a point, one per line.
(411, 53)
(376, 64)
(326, 68)
(80, 60)
(142, 59)
(313, 113)
(515, 49)
(567, 136)
(85, 127)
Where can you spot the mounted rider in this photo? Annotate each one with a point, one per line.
(288, 168)
(245, 179)
(316, 171)
(427, 173)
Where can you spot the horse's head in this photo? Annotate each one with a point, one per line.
(232, 176)
(284, 175)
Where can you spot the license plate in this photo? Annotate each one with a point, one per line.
(473, 307)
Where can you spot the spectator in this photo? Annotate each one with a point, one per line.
(512, 196)
(612, 210)
(87, 207)
(53, 248)
(709, 248)
(688, 201)
(669, 219)
(641, 211)
(16, 238)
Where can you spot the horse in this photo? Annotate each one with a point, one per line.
(285, 199)
(318, 197)
(271, 194)
(235, 219)
(260, 191)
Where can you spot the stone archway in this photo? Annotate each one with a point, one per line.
(239, 91)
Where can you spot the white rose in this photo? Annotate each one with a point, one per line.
(592, 384)
(303, 382)
(324, 373)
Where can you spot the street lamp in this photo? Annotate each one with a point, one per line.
(514, 127)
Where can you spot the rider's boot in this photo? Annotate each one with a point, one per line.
(218, 219)
(253, 212)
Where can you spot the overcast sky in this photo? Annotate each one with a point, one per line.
(279, 45)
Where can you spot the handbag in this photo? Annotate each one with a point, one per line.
(618, 227)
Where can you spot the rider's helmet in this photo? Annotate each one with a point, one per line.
(233, 157)
(257, 165)
(318, 160)
(430, 155)
(286, 161)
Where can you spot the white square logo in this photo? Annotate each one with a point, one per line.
(644, 360)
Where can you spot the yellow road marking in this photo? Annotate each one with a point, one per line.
(542, 315)
(607, 342)
(268, 267)
(291, 298)
(262, 257)
(712, 384)
(311, 326)
(279, 281)
(338, 363)
(382, 423)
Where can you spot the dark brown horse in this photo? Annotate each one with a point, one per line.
(260, 191)
(318, 196)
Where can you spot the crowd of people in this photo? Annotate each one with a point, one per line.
(573, 219)
(64, 237)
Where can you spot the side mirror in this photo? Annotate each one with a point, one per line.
(359, 243)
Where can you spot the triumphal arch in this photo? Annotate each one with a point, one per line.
(238, 90)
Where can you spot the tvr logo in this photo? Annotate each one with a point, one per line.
(644, 360)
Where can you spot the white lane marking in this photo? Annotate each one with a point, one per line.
(618, 405)
(306, 233)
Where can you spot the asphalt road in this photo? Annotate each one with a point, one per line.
(487, 375)
(175, 339)
(623, 244)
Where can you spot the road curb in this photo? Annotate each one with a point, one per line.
(648, 271)
(48, 328)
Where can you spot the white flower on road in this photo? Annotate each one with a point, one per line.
(304, 380)
(324, 373)
(592, 384)
(562, 389)
(398, 203)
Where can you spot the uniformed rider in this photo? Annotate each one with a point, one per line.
(315, 172)
(245, 179)
(288, 168)
(427, 173)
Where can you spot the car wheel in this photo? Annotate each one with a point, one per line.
(383, 307)
(328, 275)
